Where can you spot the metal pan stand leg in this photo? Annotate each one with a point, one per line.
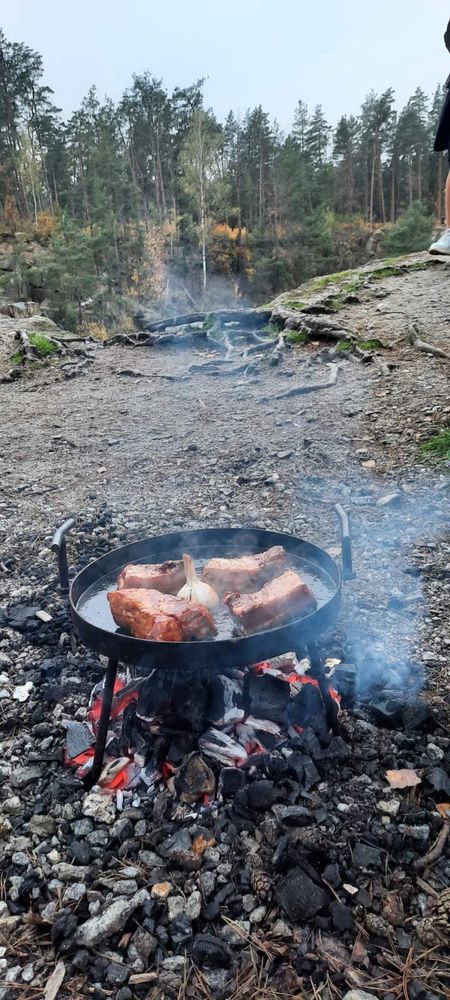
(108, 691)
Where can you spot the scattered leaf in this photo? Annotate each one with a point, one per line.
(370, 464)
(405, 778)
(101, 468)
(444, 809)
(200, 843)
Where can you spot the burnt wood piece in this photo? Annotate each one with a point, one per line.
(93, 775)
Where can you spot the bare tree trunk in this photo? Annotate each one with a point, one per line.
(393, 179)
(419, 176)
(380, 181)
(372, 188)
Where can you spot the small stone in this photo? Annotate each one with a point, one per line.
(110, 921)
(44, 616)
(420, 833)
(175, 963)
(358, 995)
(389, 806)
(82, 827)
(231, 933)
(5, 828)
(101, 806)
(28, 973)
(74, 893)
(125, 887)
(160, 891)
(144, 943)
(377, 925)
(41, 825)
(193, 905)
(257, 916)
(281, 930)
(12, 806)
(175, 906)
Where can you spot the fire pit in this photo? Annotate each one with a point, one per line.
(93, 622)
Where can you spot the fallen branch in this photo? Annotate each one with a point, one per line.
(435, 852)
(415, 340)
(302, 390)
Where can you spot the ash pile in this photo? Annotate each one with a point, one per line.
(317, 865)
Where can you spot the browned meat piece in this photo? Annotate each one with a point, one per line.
(167, 577)
(151, 615)
(283, 598)
(244, 574)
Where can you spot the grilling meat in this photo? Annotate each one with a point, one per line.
(151, 615)
(244, 574)
(285, 597)
(167, 577)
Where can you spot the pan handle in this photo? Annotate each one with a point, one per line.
(59, 546)
(346, 543)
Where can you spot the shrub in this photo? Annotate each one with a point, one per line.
(411, 233)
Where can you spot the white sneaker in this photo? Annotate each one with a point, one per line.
(442, 245)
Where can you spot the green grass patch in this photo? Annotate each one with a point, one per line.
(273, 328)
(42, 345)
(16, 358)
(438, 445)
(370, 345)
(344, 345)
(297, 337)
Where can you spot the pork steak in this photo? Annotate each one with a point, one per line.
(285, 597)
(149, 614)
(167, 577)
(244, 574)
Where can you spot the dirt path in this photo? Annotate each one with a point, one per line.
(134, 455)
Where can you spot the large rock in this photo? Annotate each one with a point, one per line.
(112, 920)
(299, 897)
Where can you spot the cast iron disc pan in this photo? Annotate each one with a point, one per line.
(95, 627)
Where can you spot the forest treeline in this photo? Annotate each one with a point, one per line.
(152, 196)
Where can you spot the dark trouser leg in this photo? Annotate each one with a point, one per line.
(108, 691)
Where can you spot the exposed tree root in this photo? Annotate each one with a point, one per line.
(414, 338)
(302, 390)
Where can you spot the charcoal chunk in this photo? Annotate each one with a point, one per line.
(293, 815)
(210, 950)
(341, 916)
(304, 769)
(261, 794)
(268, 697)
(232, 780)
(366, 857)
(299, 897)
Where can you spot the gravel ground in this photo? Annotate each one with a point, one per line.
(132, 455)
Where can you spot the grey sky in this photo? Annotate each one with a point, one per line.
(269, 52)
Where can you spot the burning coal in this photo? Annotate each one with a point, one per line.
(166, 727)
